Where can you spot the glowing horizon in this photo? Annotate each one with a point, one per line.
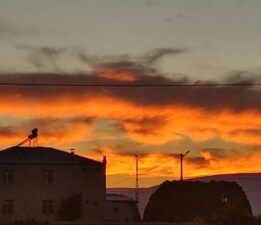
(222, 133)
(115, 42)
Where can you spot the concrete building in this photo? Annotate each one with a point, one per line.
(121, 208)
(35, 180)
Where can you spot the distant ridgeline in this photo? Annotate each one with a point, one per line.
(216, 202)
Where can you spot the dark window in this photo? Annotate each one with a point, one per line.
(95, 203)
(47, 207)
(48, 177)
(8, 176)
(7, 207)
(115, 209)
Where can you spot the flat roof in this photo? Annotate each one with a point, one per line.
(118, 197)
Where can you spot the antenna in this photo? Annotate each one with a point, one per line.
(137, 180)
(32, 138)
(181, 164)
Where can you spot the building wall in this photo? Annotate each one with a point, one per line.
(121, 211)
(28, 189)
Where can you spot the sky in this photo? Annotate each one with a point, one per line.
(135, 42)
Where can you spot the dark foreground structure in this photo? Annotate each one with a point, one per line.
(216, 202)
(47, 184)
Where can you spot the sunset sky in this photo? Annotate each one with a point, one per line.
(135, 42)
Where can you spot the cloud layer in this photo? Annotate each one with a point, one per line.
(146, 115)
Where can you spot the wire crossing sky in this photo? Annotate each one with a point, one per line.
(147, 77)
(128, 85)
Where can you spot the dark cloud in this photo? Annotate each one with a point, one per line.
(90, 60)
(243, 77)
(207, 97)
(44, 124)
(43, 57)
(128, 66)
(210, 98)
(216, 152)
(49, 122)
(49, 92)
(235, 98)
(8, 131)
(199, 162)
(146, 125)
(159, 53)
(139, 64)
(251, 132)
(118, 127)
(47, 57)
(253, 148)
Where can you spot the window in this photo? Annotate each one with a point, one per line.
(47, 207)
(48, 177)
(8, 176)
(7, 207)
(115, 209)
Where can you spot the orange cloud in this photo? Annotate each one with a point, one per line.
(145, 115)
(116, 75)
(145, 124)
(54, 132)
(154, 167)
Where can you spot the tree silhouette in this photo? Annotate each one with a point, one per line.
(71, 207)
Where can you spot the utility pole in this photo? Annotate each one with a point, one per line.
(181, 164)
(137, 180)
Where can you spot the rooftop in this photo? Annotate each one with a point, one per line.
(42, 155)
(118, 197)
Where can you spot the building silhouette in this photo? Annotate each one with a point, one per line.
(36, 180)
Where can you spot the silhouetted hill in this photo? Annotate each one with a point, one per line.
(251, 184)
(216, 202)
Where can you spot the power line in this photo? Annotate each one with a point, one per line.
(127, 85)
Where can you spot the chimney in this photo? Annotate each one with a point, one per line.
(72, 151)
(104, 161)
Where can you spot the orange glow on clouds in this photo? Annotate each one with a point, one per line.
(145, 124)
(70, 117)
(66, 133)
(164, 165)
(116, 75)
